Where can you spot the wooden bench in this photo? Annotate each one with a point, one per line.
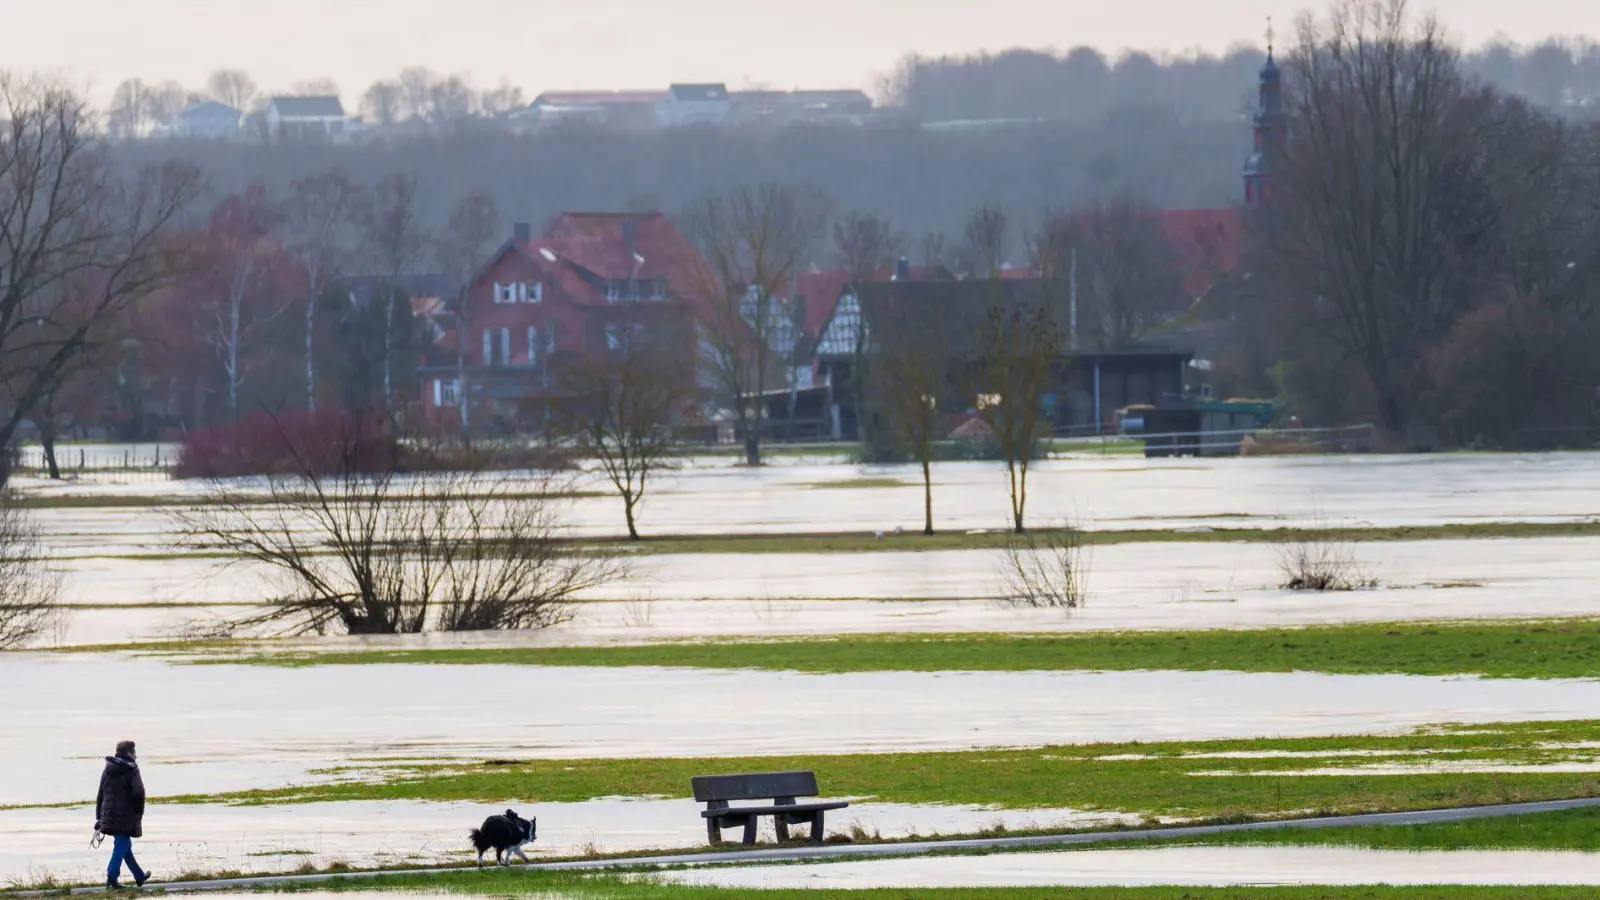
(783, 790)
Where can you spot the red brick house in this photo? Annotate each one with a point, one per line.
(539, 303)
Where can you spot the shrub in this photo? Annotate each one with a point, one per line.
(1046, 569)
(286, 443)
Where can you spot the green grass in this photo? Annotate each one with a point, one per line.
(1542, 649)
(1163, 779)
(501, 883)
(1577, 829)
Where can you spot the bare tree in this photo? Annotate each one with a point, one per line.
(1011, 366)
(753, 241)
(317, 220)
(1116, 260)
(502, 100)
(366, 551)
(985, 242)
(232, 87)
(244, 262)
(29, 591)
(383, 102)
(316, 87)
(80, 240)
(130, 113)
(460, 250)
(1375, 217)
(864, 244)
(625, 407)
(910, 357)
(1046, 569)
(416, 92)
(395, 240)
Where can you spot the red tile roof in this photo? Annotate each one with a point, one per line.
(1208, 241)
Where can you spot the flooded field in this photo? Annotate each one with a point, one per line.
(207, 729)
(256, 839)
(1198, 866)
(1132, 586)
(1113, 492)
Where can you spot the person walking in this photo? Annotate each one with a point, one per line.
(119, 812)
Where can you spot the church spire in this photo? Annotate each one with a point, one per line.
(1269, 131)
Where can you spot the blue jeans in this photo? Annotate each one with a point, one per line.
(122, 849)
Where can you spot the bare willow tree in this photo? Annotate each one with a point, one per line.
(29, 592)
(753, 241)
(625, 407)
(1375, 200)
(317, 221)
(232, 87)
(459, 250)
(364, 550)
(81, 239)
(394, 239)
(1115, 259)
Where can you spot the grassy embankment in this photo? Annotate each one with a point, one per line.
(1541, 649)
(1201, 780)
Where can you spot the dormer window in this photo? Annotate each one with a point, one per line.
(613, 291)
(505, 293)
(533, 292)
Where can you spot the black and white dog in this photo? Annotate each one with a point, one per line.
(503, 833)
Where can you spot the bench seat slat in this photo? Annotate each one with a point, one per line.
(737, 811)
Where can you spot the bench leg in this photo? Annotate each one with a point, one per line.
(816, 827)
(750, 823)
(714, 831)
(780, 824)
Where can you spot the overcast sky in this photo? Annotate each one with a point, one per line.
(553, 44)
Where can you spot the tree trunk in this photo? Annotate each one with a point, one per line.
(5, 462)
(927, 492)
(1019, 496)
(47, 439)
(311, 327)
(388, 353)
(752, 447)
(628, 501)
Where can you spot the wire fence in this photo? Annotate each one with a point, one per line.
(101, 463)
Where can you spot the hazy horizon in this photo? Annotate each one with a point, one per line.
(629, 43)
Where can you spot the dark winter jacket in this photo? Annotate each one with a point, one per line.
(119, 810)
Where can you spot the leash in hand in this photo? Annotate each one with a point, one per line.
(97, 840)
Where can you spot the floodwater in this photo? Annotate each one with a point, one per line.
(1197, 866)
(1109, 492)
(1133, 586)
(208, 729)
(262, 839)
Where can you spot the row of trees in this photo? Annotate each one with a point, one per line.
(1084, 85)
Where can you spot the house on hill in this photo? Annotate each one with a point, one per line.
(541, 303)
(206, 119)
(305, 118)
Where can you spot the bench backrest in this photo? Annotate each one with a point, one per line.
(754, 786)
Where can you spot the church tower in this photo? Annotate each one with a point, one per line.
(1269, 133)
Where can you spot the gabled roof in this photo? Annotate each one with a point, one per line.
(702, 93)
(596, 242)
(205, 107)
(308, 107)
(597, 98)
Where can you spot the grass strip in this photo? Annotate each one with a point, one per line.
(1523, 649)
(611, 887)
(1572, 829)
(1179, 779)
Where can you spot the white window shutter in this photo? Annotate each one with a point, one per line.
(505, 346)
(488, 347)
(438, 392)
(497, 292)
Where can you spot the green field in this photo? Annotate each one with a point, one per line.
(1543, 649)
(1193, 780)
(1577, 829)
